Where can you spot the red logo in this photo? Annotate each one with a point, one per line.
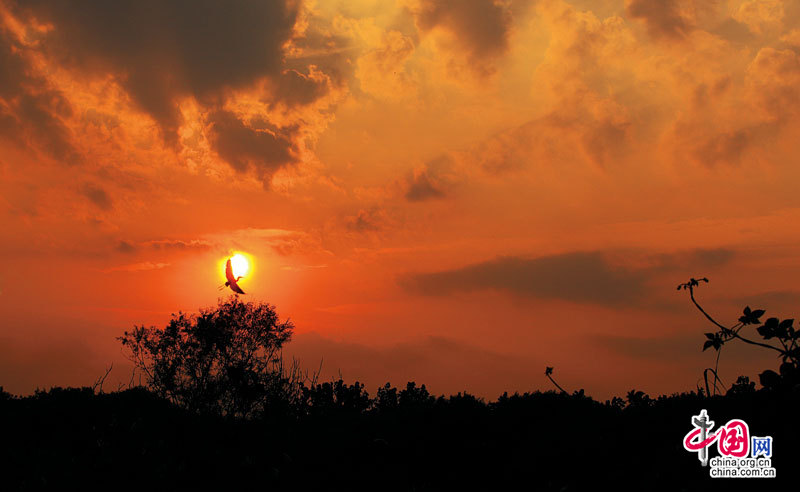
(732, 440)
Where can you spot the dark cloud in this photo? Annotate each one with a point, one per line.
(293, 88)
(724, 148)
(165, 49)
(125, 247)
(177, 244)
(432, 180)
(97, 196)
(603, 140)
(162, 51)
(31, 111)
(582, 277)
(244, 147)
(662, 17)
(577, 277)
(481, 26)
(733, 30)
(774, 77)
(366, 220)
(601, 137)
(421, 186)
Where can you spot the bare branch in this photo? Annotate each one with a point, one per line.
(101, 380)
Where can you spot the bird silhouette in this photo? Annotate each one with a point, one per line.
(232, 281)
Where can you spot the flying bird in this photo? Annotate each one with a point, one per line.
(232, 281)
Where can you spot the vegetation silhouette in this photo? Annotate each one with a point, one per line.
(788, 377)
(548, 372)
(223, 361)
(220, 410)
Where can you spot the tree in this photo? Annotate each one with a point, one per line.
(223, 361)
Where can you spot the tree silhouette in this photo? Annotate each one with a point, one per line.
(223, 361)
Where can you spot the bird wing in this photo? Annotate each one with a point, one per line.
(235, 287)
(229, 272)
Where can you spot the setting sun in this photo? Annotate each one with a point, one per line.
(240, 265)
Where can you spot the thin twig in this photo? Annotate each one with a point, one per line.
(102, 379)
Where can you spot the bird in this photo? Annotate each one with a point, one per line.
(232, 282)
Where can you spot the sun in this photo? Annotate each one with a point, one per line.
(240, 265)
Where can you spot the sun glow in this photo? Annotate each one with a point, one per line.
(240, 265)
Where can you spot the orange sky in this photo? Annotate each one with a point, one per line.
(453, 192)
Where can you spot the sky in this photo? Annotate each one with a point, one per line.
(453, 192)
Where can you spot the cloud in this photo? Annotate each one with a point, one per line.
(582, 277)
(373, 219)
(724, 147)
(126, 247)
(580, 119)
(432, 180)
(577, 277)
(733, 30)
(31, 111)
(421, 187)
(758, 14)
(480, 27)
(167, 56)
(98, 196)
(737, 118)
(162, 50)
(244, 147)
(177, 244)
(774, 80)
(381, 72)
(293, 88)
(282, 241)
(661, 17)
(137, 267)
(792, 38)
(585, 128)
